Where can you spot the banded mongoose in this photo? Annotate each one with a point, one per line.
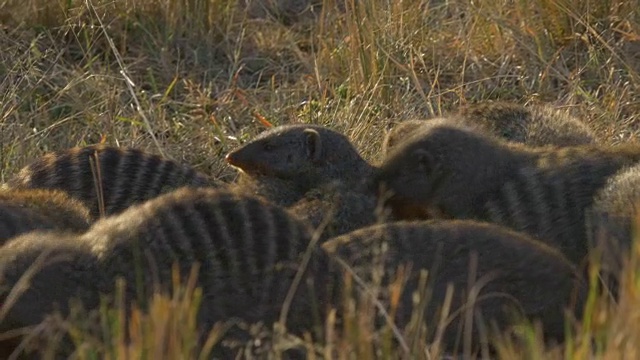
(533, 125)
(544, 192)
(314, 171)
(30, 209)
(127, 176)
(513, 273)
(614, 221)
(300, 157)
(248, 250)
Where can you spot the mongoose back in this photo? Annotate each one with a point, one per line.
(402, 131)
(542, 191)
(127, 176)
(313, 171)
(513, 272)
(613, 220)
(342, 209)
(534, 125)
(247, 248)
(303, 156)
(30, 209)
(64, 268)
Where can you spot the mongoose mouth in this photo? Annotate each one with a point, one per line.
(235, 160)
(232, 159)
(250, 168)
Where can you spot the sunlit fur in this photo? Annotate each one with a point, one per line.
(128, 176)
(248, 251)
(23, 210)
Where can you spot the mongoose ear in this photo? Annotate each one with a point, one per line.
(313, 144)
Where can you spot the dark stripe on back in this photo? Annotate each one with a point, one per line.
(109, 161)
(157, 174)
(230, 222)
(122, 177)
(218, 262)
(43, 172)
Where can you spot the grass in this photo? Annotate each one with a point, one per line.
(193, 79)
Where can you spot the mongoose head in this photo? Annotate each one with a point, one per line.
(303, 152)
(442, 167)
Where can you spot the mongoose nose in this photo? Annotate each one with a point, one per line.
(230, 158)
(238, 160)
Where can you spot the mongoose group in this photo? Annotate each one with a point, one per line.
(514, 195)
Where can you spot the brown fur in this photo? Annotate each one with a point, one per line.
(314, 171)
(30, 209)
(280, 191)
(542, 191)
(248, 251)
(533, 125)
(298, 158)
(521, 274)
(342, 209)
(405, 129)
(613, 220)
(128, 176)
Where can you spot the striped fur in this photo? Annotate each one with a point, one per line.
(128, 176)
(541, 191)
(30, 209)
(513, 273)
(248, 251)
(535, 125)
(552, 204)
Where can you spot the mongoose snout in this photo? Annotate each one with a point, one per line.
(239, 160)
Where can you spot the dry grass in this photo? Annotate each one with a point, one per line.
(193, 79)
